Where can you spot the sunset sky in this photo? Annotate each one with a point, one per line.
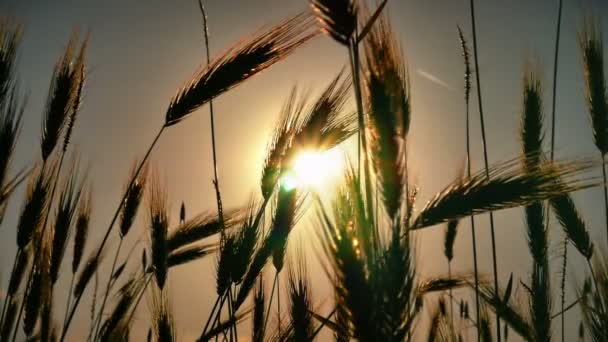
(142, 51)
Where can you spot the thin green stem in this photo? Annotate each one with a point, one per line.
(485, 158)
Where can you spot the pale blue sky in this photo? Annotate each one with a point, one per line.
(141, 51)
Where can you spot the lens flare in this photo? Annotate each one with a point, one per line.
(318, 169)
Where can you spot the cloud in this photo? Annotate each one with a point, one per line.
(434, 79)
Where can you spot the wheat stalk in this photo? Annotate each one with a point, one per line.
(485, 155)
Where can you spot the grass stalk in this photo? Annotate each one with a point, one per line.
(485, 159)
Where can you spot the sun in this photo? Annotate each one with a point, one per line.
(314, 169)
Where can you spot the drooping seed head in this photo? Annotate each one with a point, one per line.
(337, 17)
(133, 199)
(238, 64)
(595, 83)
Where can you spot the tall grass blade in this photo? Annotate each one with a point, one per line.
(338, 18)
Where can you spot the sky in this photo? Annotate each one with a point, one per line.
(142, 52)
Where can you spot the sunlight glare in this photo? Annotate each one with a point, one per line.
(318, 169)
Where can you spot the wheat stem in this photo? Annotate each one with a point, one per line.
(9, 296)
(231, 315)
(555, 64)
(553, 99)
(279, 304)
(116, 213)
(320, 327)
(212, 123)
(67, 305)
(107, 292)
(485, 159)
(450, 294)
(217, 318)
(215, 305)
(473, 236)
(605, 190)
(564, 310)
(139, 297)
(236, 336)
(274, 284)
(596, 283)
(220, 300)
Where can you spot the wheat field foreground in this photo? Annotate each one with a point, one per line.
(293, 170)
